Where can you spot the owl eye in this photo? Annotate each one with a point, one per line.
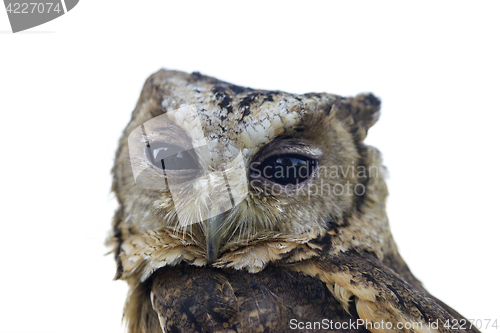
(170, 157)
(288, 169)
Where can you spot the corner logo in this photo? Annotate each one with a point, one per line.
(28, 14)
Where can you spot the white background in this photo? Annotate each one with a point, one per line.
(67, 89)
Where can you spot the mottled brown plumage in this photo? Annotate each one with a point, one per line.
(236, 301)
(269, 258)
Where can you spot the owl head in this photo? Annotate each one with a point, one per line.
(212, 173)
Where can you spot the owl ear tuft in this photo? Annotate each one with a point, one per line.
(358, 113)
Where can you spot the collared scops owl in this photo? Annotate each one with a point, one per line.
(244, 210)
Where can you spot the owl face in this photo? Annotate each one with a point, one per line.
(222, 166)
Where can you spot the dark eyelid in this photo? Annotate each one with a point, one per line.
(286, 169)
(294, 146)
(190, 159)
(172, 149)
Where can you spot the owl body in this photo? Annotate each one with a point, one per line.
(245, 210)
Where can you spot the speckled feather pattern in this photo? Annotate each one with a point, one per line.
(273, 248)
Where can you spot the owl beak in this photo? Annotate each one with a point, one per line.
(213, 236)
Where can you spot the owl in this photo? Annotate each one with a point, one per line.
(244, 210)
